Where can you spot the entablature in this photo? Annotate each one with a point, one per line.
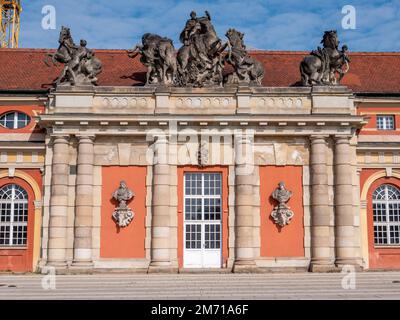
(228, 100)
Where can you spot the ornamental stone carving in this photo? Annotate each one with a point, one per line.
(246, 68)
(282, 214)
(202, 154)
(327, 65)
(81, 67)
(123, 215)
(158, 55)
(201, 59)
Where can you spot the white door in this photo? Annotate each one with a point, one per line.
(202, 220)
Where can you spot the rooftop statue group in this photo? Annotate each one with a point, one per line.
(327, 65)
(201, 59)
(81, 66)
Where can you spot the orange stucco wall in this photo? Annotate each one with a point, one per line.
(128, 242)
(289, 240)
(16, 259)
(224, 172)
(380, 257)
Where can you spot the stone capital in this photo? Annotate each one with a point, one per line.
(60, 138)
(342, 139)
(318, 139)
(85, 138)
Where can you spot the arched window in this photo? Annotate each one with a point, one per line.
(13, 215)
(386, 211)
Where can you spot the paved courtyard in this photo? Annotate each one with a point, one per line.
(368, 285)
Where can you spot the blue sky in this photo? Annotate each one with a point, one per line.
(267, 24)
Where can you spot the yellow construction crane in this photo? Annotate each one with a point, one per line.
(10, 23)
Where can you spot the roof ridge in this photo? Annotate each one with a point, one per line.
(253, 51)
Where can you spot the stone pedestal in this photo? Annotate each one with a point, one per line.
(84, 203)
(344, 214)
(59, 203)
(321, 257)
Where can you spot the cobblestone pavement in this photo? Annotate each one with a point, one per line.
(368, 285)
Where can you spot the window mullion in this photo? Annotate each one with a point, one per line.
(387, 217)
(15, 120)
(12, 216)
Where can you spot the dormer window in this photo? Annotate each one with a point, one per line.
(14, 120)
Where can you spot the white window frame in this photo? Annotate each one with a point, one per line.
(11, 224)
(385, 122)
(202, 222)
(15, 120)
(386, 203)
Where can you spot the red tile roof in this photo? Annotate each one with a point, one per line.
(369, 71)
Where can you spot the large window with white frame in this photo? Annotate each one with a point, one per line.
(13, 216)
(385, 122)
(386, 214)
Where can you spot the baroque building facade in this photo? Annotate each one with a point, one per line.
(244, 177)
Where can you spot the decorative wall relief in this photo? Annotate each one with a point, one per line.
(282, 213)
(202, 154)
(123, 215)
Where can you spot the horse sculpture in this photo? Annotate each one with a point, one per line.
(158, 54)
(246, 68)
(200, 59)
(322, 65)
(81, 67)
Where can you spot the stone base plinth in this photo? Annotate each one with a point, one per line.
(162, 269)
(81, 267)
(245, 267)
(314, 267)
(282, 269)
(60, 267)
(354, 263)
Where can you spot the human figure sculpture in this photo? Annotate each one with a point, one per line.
(158, 55)
(81, 67)
(246, 68)
(200, 59)
(327, 65)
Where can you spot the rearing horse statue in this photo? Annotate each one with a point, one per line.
(200, 58)
(321, 66)
(81, 67)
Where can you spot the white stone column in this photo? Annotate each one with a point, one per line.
(245, 220)
(84, 202)
(59, 203)
(321, 258)
(160, 232)
(344, 213)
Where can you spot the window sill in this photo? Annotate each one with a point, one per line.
(13, 248)
(388, 247)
